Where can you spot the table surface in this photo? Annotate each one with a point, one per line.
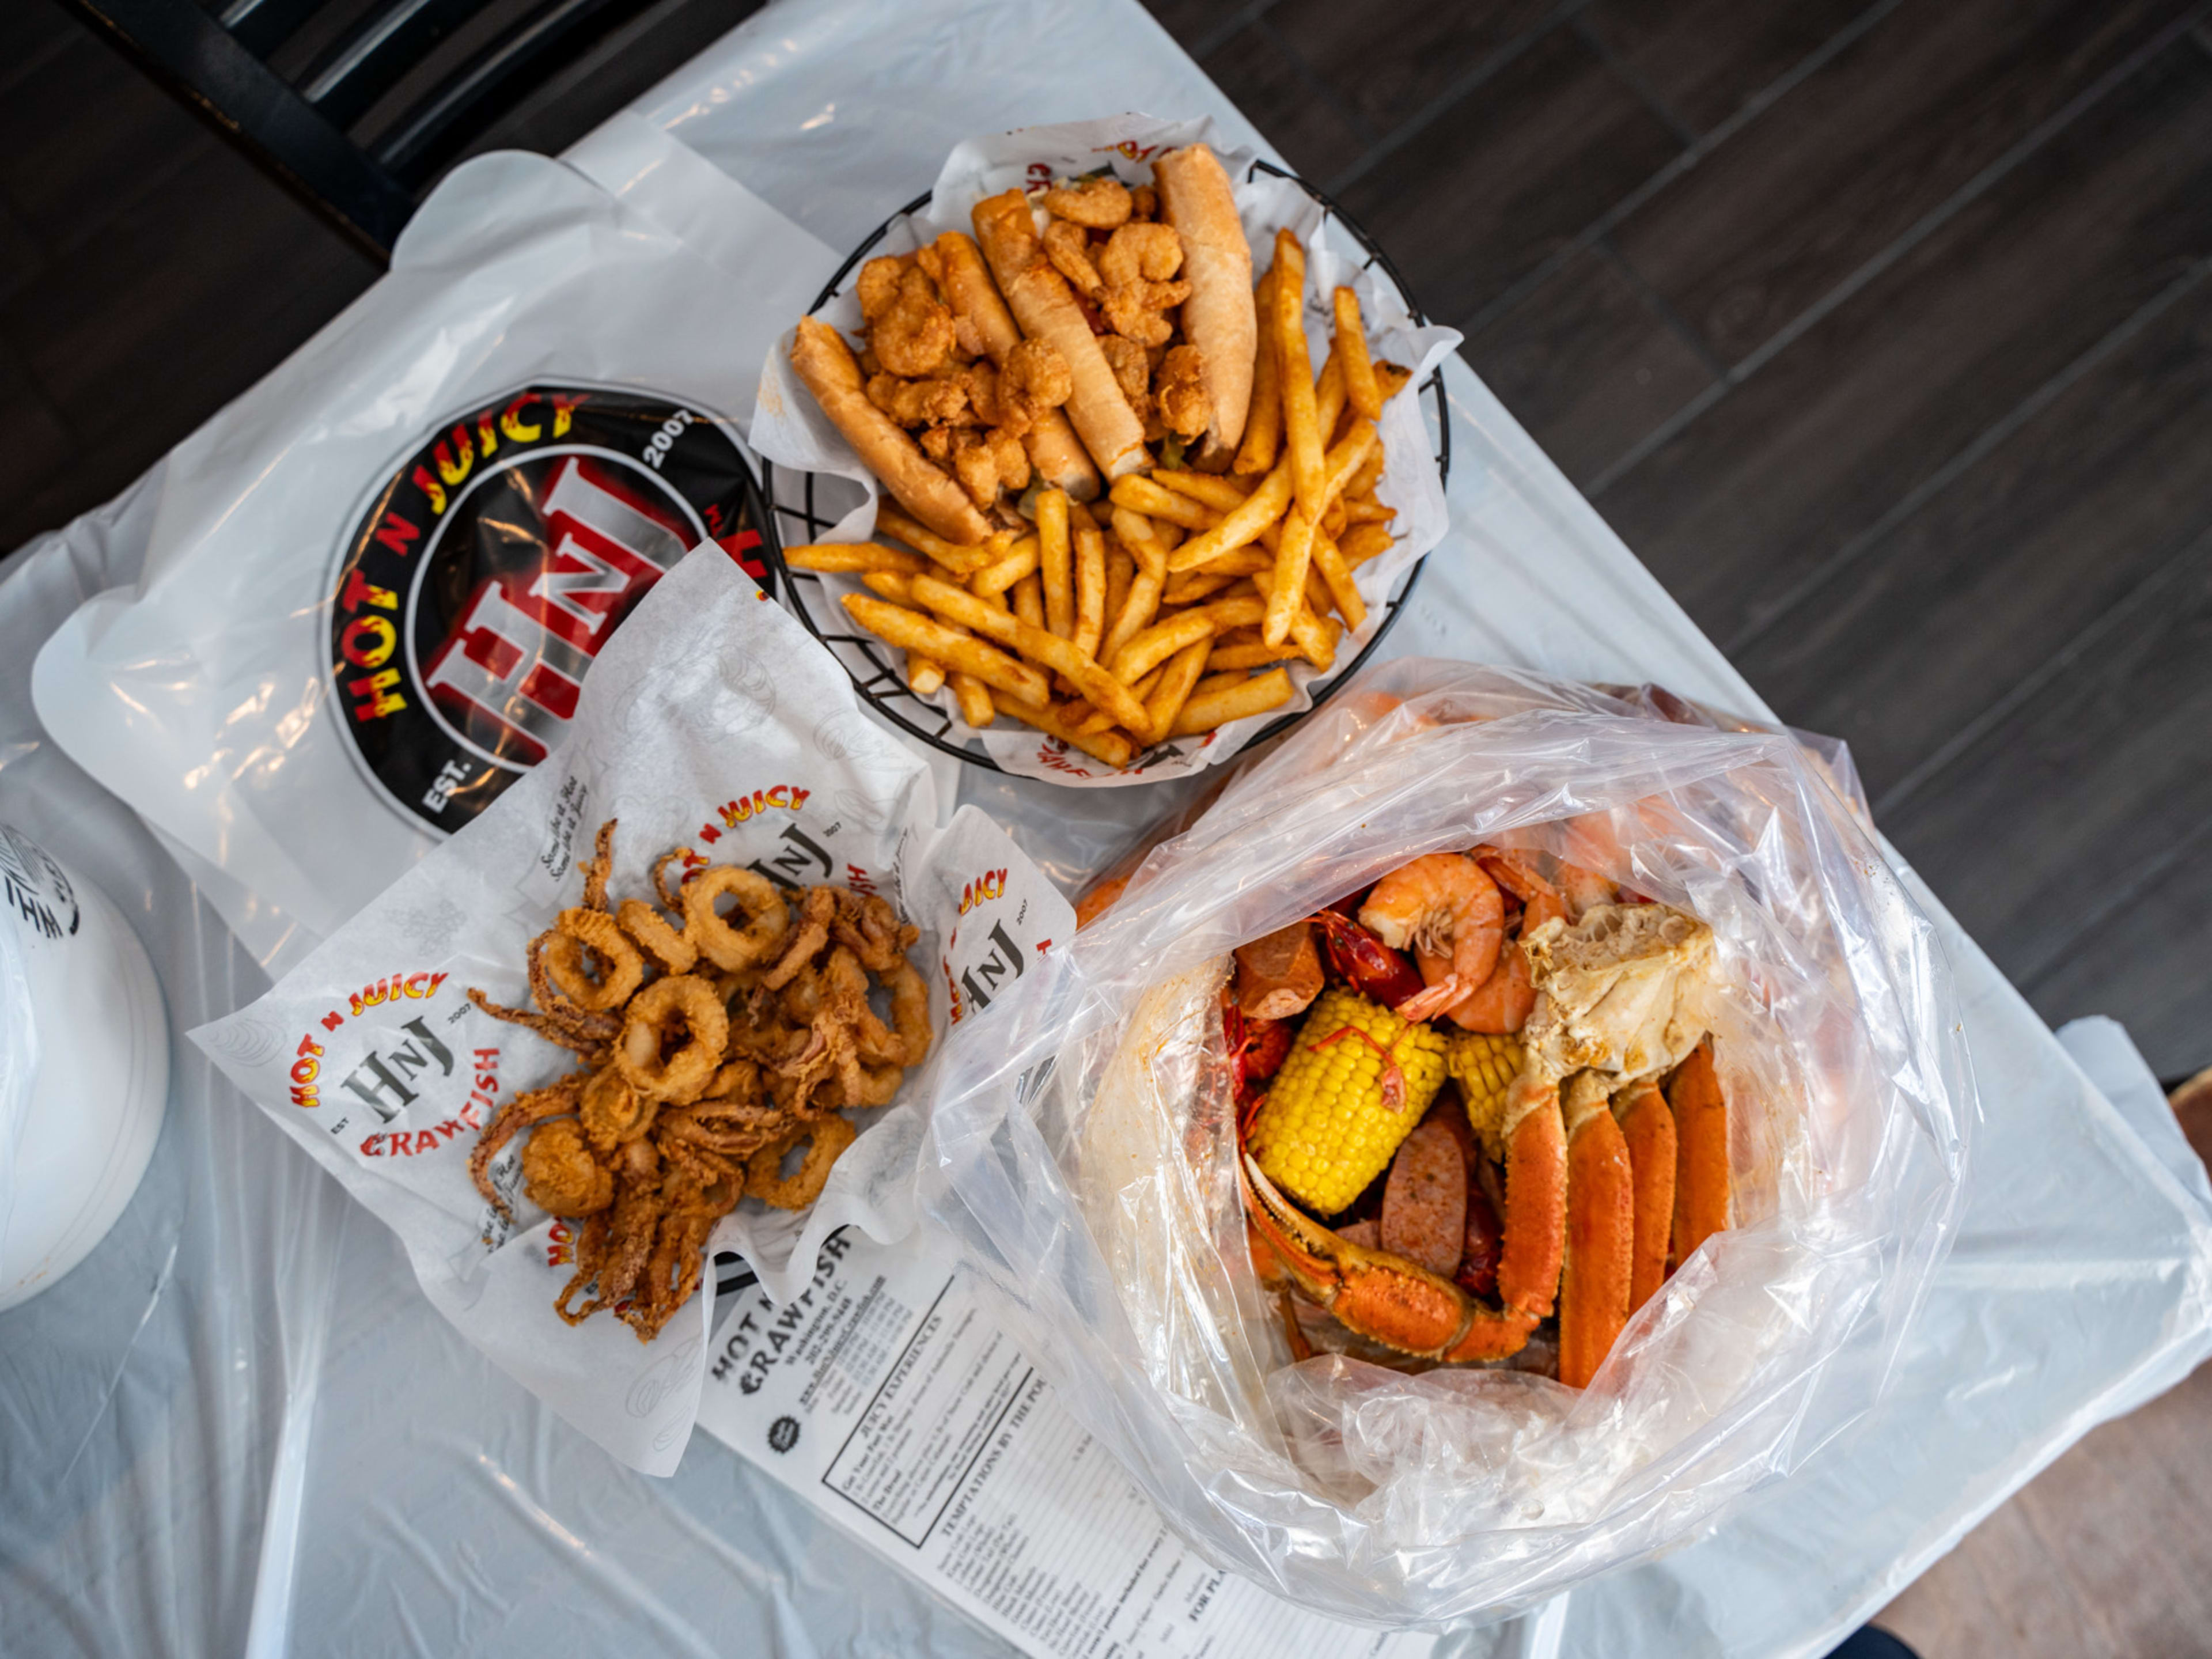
(239, 1426)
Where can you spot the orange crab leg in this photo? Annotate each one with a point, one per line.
(1701, 1168)
(1593, 1281)
(1535, 1220)
(1648, 1129)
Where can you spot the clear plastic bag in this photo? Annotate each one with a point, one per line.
(1086, 1155)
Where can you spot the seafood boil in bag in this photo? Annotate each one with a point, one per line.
(1508, 1128)
(665, 997)
(1147, 436)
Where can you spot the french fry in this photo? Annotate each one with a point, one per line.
(1249, 654)
(1080, 517)
(1319, 600)
(1361, 389)
(923, 675)
(1256, 696)
(1029, 600)
(1243, 611)
(1146, 651)
(1110, 747)
(1099, 720)
(1263, 422)
(1363, 542)
(1089, 589)
(1055, 562)
(1241, 527)
(1150, 541)
(852, 557)
(1316, 637)
(1368, 512)
(1392, 379)
(975, 699)
(1344, 459)
(894, 586)
(1176, 681)
(1139, 606)
(1220, 682)
(1199, 585)
(1143, 495)
(1121, 571)
(912, 631)
(1328, 560)
(1009, 567)
(961, 561)
(1328, 400)
(1302, 433)
(1288, 589)
(1046, 649)
(1332, 522)
(1207, 489)
(1362, 484)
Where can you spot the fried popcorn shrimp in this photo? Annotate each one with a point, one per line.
(1137, 311)
(1133, 370)
(621, 970)
(1099, 204)
(878, 287)
(939, 401)
(1144, 203)
(976, 468)
(711, 933)
(1068, 247)
(1179, 390)
(673, 1039)
(827, 1139)
(1140, 253)
(1035, 379)
(914, 337)
(560, 1174)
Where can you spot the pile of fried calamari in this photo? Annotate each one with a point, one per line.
(712, 1045)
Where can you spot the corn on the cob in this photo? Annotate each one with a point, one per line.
(1484, 1066)
(1323, 1133)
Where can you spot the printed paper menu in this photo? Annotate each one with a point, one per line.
(886, 1397)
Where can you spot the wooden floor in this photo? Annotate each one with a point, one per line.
(1881, 330)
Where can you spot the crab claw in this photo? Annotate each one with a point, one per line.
(1382, 1296)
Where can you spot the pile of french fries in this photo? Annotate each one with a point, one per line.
(1174, 610)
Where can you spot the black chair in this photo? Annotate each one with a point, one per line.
(357, 106)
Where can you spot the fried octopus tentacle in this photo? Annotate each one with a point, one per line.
(543, 1025)
(599, 868)
(531, 1106)
(816, 912)
(672, 898)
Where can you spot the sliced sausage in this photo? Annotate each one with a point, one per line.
(1278, 975)
(1425, 1200)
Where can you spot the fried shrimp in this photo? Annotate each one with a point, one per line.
(611, 1112)
(655, 1061)
(1099, 204)
(827, 1139)
(1146, 253)
(560, 1174)
(1451, 914)
(711, 934)
(622, 970)
(1068, 247)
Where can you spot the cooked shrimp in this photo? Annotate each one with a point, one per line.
(1502, 1004)
(1450, 914)
(1517, 873)
(1099, 204)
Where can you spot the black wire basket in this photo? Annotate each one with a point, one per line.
(800, 516)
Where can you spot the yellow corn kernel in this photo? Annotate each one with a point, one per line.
(1323, 1133)
(1484, 1066)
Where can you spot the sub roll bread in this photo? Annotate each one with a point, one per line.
(821, 358)
(1220, 317)
(1054, 450)
(1045, 307)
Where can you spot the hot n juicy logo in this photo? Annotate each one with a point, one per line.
(493, 565)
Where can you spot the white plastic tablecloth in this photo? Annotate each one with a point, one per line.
(238, 1427)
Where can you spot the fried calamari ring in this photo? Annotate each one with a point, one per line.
(560, 1174)
(729, 1128)
(827, 1139)
(612, 1112)
(642, 1055)
(907, 1042)
(815, 911)
(652, 931)
(531, 1106)
(565, 962)
(712, 936)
